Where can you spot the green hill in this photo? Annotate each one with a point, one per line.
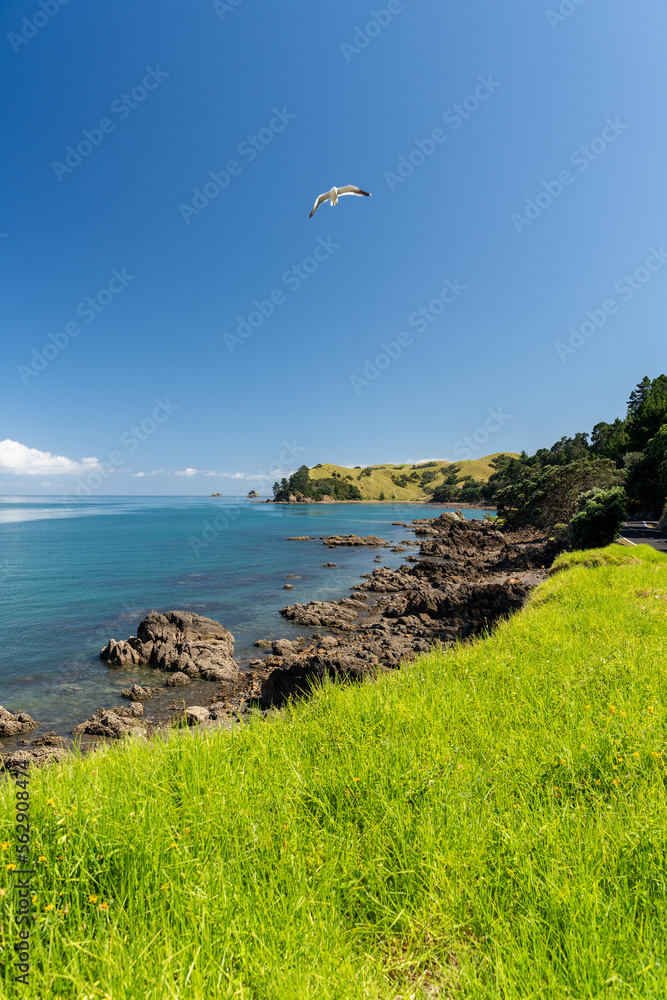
(405, 482)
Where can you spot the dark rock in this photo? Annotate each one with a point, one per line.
(317, 613)
(195, 715)
(288, 586)
(131, 711)
(283, 647)
(178, 679)
(178, 641)
(15, 725)
(37, 757)
(48, 740)
(334, 540)
(105, 722)
(296, 678)
(137, 693)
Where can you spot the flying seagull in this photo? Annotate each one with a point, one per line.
(334, 195)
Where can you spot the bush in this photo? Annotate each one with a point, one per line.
(599, 518)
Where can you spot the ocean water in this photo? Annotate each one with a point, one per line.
(76, 572)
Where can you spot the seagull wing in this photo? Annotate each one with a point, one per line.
(351, 189)
(322, 198)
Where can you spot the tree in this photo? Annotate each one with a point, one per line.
(471, 491)
(303, 487)
(549, 496)
(382, 496)
(599, 518)
(647, 476)
(300, 481)
(444, 493)
(647, 412)
(610, 441)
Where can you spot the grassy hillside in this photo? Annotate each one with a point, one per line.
(383, 478)
(488, 823)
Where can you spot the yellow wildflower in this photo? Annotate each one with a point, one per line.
(42, 859)
(103, 906)
(49, 906)
(11, 868)
(92, 899)
(4, 845)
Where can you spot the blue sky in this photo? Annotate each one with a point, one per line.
(130, 273)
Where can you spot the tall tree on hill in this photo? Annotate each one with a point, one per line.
(610, 441)
(647, 412)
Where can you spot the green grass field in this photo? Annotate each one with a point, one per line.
(487, 823)
(382, 478)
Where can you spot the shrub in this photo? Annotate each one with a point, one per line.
(599, 518)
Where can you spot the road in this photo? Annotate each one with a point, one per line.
(644, 533)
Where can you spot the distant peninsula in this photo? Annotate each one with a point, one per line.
(437, 482)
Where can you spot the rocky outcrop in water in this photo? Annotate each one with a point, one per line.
(15, 725)
(469, 575)
(177, 641)
(355, 540)
(111, 723)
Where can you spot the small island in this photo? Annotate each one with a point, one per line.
(253, 495)
(216, 494)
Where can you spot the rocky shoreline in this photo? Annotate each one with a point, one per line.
(468, 575)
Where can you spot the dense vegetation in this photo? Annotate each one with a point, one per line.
(544, 488)
(301, 486)
(487, 823)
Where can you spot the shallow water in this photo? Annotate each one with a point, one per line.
(75, 573)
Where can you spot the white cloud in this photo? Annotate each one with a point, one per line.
(155, 472)
(188, 472)
(138, 475)
(274, 474)
(20, 459)
(228, 475)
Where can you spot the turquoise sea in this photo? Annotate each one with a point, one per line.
(76, 572)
